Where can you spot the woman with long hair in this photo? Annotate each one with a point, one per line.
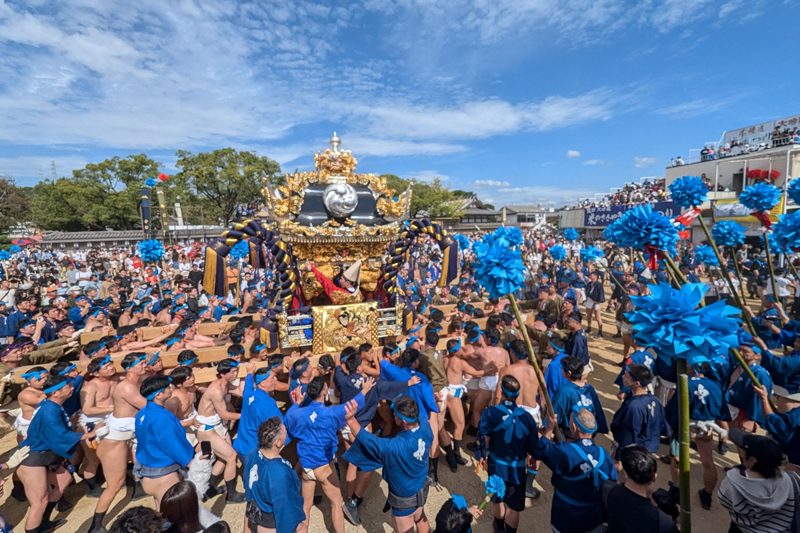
(179, 507)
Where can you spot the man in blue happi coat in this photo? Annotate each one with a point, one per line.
(257, 406)
(742, 401)
(271, 485)
(640, 419)
(579, 470)
(576, 392)
(316, 429)
(510, 431)
(404, 460)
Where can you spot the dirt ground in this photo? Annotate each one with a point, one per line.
(606, 354)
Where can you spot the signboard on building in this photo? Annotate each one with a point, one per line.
(760, 133)
(731, 209)
(600, 217)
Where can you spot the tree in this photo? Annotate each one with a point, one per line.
(100, 195)
(14, 205)
(225, 178)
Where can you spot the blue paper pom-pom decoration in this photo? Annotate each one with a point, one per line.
(15, 249)
(794, 191)
(786, 233)
(760, 197)
(670, 322)
(463, 242)
(688, 191)
(495, 485)
(591, 254)
(152, 251)
(641, 226)
(240, 249)
(705, 254)
(498, 269)
(570, 234)
(728, 233)
(511, 236)
(150, 182)
(557, 252)
(4, 255)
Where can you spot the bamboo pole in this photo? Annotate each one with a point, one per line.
(640, 257)
(540, 378)
(750, 374)
(770, 265)
(684, 437)
(738, 274)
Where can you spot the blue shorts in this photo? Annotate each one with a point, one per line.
(140, 471)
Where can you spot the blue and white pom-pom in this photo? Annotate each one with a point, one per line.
(688, 191)
(728, 233)
(151, 251)
(760, 197)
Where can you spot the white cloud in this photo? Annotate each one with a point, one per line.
(572, 154)
(545, 195)
(427, 176)
(642, 162)
(490, 183)
(597, 162)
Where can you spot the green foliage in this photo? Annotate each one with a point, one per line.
(225, 178)
(489, 206)
(100, 195)
(14, 205)
(458, 193)
(433, 199)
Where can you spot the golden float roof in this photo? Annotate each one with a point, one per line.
(285, 203)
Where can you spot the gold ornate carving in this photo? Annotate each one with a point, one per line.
(336, 328)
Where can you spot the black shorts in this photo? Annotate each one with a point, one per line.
(46, 458)
(258, 517)
(514, 497)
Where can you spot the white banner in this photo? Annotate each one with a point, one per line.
(760, 133)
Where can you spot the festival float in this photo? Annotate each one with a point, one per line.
(337, 240)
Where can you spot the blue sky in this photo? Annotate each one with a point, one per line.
(522, 101)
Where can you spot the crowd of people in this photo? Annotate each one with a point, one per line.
(648, 191)
(142, 405)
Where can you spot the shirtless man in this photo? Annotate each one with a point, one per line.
(488, 383)
(212, 411)
(96, 405)
(130, 340)
(115, 448)
(523, 371)
(29, 398)
(456, 367)
(181, 403)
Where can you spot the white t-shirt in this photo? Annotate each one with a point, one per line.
(82, 278)
(781, 283)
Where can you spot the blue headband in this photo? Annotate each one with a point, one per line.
(470, 337)
(155, 358)
(103, 362)
(400, 416)
(56, 387)
(508, 392)
(394, 351)
(33, 374)
(416, 329)
(99, 347)
(188, 362)
(424, 307)
(455, 348)
(260, 347)
(577, 409)
(150, 397)
(299, 372)
(258, 378)
(137, 361)
(411, 340)
(70, 368)
(172, 341)
(519, 355)
(176, 309)
(556, 348)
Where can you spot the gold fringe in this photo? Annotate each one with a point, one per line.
(210, 277)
